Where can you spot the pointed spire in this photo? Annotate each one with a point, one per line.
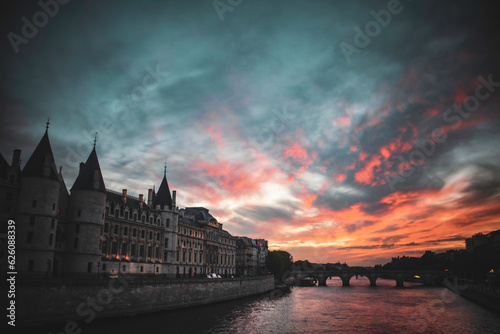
(48, 123)
(90, 176)
(95, 140)
(41, 163)
(163, 197)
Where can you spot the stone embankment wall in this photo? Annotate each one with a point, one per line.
(83, 301)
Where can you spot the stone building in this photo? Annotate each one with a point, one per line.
(203, 246)
(251, 256)
(94, 230)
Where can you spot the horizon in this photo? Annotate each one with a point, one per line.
(290, 121)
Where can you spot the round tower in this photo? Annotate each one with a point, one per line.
(37, 211)
(85, 221)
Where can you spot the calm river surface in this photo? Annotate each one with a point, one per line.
(330, 309)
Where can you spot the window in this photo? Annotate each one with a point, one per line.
(104, 267)
(32, 221)
(141, 251)
(157, 269)
(51, 239)
(52, 223)
(132, 250)
(135, 216)
(29, 237)
(177, 256)
(166, 242)
(142, 269)
(117, 212)
(33, 204)
(150, 251)
(168, 222)
(194, 257)
(165, 256)
(89, 267)
(200, 257)
(106, 227)
(126, 214)
(143, 219)
(125, 231)
(53, 206)
(150, 235)
(183, 255)
(151, 220)
(79, 213)
(143, 233)
(157, 252)
(75, 243)
(77, 228)
(189, 257)
(124, 249)
(116, 229)
(158, 237)
(104, 247)
(114, 248)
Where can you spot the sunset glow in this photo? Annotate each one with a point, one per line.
(262, 119)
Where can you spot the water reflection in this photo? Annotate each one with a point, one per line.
(332, 308)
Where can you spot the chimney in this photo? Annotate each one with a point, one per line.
(141, 200)
(124, 195)
(16, 158)
(150, 197)
(174, 195)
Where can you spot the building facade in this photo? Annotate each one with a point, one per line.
(251, 256)
(94, 230)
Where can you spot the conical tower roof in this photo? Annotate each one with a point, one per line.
(90, 176)
(162, 196)
(41, 163)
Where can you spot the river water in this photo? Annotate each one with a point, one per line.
(330, 309)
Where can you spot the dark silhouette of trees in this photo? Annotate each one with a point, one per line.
(278, 262)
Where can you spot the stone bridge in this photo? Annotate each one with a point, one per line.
(427, 277)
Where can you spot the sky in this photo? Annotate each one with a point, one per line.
(339, 131)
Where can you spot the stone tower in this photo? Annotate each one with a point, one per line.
(39, 211)
(85, 220)
(163, 204)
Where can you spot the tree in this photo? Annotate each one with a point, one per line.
(278, 262)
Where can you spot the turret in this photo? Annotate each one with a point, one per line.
(37, 211)
(86, 218)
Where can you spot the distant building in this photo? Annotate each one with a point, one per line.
(97, 230)
(202, 245)
(251, 256)
(491, 239)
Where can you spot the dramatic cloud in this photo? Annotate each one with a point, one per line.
(263, 118)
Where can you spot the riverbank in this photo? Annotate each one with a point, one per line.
(485, 296)
(48, 301)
